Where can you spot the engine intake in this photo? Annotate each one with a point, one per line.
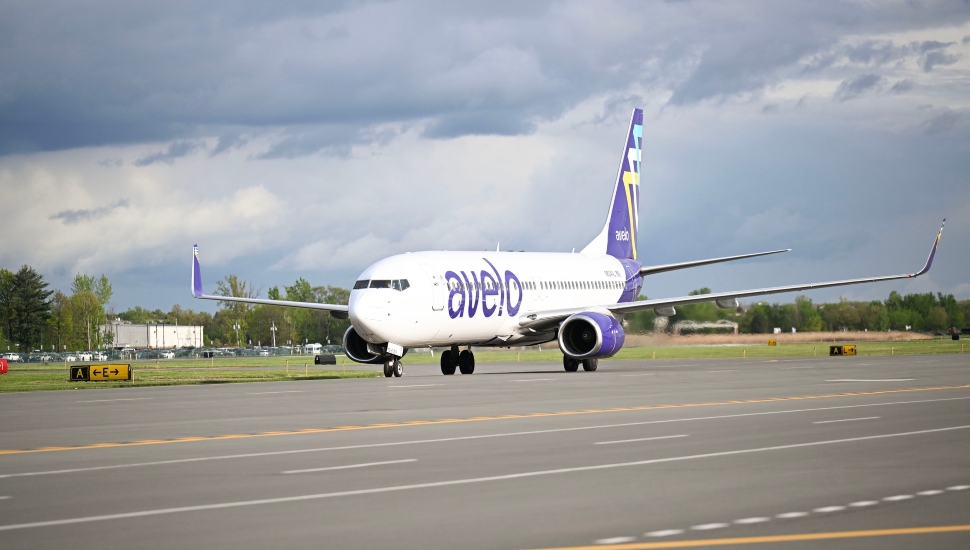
(590, 334)
(356, 348)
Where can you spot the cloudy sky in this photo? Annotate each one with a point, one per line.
(310, 139)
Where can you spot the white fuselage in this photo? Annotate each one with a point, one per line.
(476, 298)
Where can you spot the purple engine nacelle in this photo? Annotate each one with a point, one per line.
(590, 334)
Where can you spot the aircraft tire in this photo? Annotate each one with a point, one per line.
(466, 362)
(590, 365)
(570, 364)
(447, 366)
(398, 368)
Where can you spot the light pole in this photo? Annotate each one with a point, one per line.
(236, 326)
(272, 329)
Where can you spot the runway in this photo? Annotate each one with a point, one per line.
(851, 452)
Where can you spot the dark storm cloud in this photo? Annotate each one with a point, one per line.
(120, 72)
(176, 150)
(71, 217)
(853, 88)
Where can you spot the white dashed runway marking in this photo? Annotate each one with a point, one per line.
(640, 439)
(269, 392)
(664, 533)
(615, 540)
(418, 386)
(350, 466)
(846, 420)
(708, 526)
(829, 509)
(746, 521)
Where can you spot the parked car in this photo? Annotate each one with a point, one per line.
(13, 357)
(166, 355)
(262, 352)
(70, 358)
(98, 356)
(85, 356)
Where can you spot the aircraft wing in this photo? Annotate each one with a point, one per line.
(539, 320)
(336, 310)
(653, 269)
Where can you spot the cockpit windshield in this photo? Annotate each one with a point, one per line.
(396, 284)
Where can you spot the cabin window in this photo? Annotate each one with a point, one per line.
(361, 284)
(400, 284)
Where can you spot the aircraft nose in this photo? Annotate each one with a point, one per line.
(367, 313)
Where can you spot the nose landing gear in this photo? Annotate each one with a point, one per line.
(393, 367)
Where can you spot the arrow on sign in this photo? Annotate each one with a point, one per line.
(97, 372)
(114, 371)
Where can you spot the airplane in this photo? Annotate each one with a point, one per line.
(502, 299)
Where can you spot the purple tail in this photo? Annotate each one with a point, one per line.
(619, 235)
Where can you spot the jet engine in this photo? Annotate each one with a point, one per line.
(356, 348)
(590, 334)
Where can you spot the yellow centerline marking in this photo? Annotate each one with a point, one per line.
(462, 420)
(773, 538)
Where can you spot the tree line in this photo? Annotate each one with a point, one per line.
(35, 317)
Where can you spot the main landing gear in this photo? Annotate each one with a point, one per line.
(452, 359)
(393, 367)
(572, 365)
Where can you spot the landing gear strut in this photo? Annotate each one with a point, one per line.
(452, 359)
(393, 367)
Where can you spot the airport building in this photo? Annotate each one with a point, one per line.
(153, 336)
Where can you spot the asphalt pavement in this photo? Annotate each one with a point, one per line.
(847, 452)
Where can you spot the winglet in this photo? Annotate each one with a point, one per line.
(929, 261)
(196, 273)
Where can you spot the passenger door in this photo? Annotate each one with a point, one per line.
(437, 287)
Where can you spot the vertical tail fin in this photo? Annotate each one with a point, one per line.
(619, 235)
